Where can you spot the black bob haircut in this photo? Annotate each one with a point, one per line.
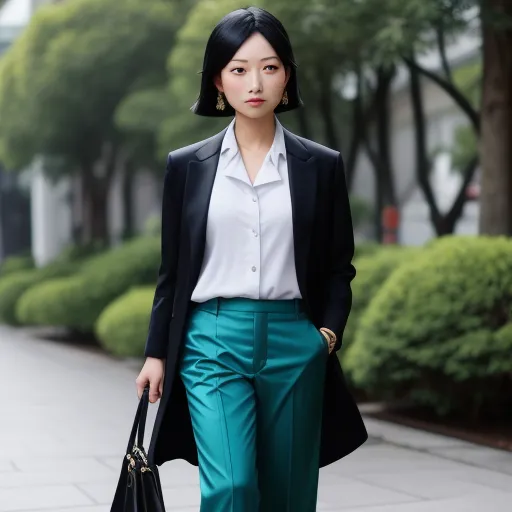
(225, 40)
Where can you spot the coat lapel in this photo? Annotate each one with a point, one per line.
(198, 190)
(303, 189)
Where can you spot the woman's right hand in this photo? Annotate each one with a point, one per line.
(152, 373)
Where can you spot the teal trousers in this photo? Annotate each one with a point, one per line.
(254, 375)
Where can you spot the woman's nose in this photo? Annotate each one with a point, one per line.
(255, 82)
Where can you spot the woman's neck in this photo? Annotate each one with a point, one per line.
(255, 134)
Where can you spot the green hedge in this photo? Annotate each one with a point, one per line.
(50, 301)
(78, 302)
(362, 249)
(16, 264)
(14, 285)
(439, 331)
(122, 327)
(371, 272)
(79, 253)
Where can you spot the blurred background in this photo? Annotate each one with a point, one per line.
(416, 94)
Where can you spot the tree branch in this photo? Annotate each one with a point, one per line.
(441, 43)
(450, 89)
(325, 100)
(422, 161)
(458, 205)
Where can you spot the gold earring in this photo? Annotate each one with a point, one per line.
(284, 101)
(220, 102)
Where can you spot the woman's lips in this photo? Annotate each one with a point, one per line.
(255, 103)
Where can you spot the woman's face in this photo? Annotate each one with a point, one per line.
(255, 71)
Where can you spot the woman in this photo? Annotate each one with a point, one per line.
(253, 290)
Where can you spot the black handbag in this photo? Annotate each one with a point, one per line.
(138, 489)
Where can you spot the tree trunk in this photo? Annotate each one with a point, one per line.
(357, 133)
(443, 224)
(385, 77)
(96, 181)
(95, 217)
(385, 195)
(496, 116)
(326, 108)
(128, 213)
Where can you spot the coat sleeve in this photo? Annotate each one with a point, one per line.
(161, 312)
(338, 300)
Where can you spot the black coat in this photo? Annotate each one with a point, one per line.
(324, 247)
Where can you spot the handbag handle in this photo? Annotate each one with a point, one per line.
(139, 423)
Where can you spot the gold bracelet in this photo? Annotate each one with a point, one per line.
(331, 334)
(331, 341)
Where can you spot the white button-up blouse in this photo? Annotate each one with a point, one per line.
(249, 234)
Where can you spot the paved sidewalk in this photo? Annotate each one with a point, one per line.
(65, 418)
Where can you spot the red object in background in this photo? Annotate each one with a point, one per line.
(390, 220)
(473, 191)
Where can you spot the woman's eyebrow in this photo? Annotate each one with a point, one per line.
(243, 60)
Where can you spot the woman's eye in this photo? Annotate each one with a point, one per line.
(271, 66)
(238, 70)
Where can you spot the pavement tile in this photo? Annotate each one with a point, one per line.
(388, 458)
(414, 438)
(21, 479)
(178, 473)
(426, 484)
(42, 498)
(66, 444)
(99, 508)
(6, 466)
(488, 478)
(184, 496)
(352, 493)
(100, 492)
(493, 502)
(480, 456)
(72, 467)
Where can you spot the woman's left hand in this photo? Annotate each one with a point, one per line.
(330, 343)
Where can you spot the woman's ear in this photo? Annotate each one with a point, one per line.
(218, 83)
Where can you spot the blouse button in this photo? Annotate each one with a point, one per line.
(253, 269)
(254, 199)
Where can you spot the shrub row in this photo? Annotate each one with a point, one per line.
(122, 328)
(431, 324)
(15, 284)
(77, 301)
(439, 330)
(15, 264)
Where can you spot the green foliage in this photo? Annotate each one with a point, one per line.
(468, 79)
(439, 331)
(77, 302)
(54, 302)
(15, 264)
(122, 327)
(184, 64)
(62, 80)
(14, 285)
(11, 288)
(80, 252)
(464, 149)
(365, 249)
(371, 273)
